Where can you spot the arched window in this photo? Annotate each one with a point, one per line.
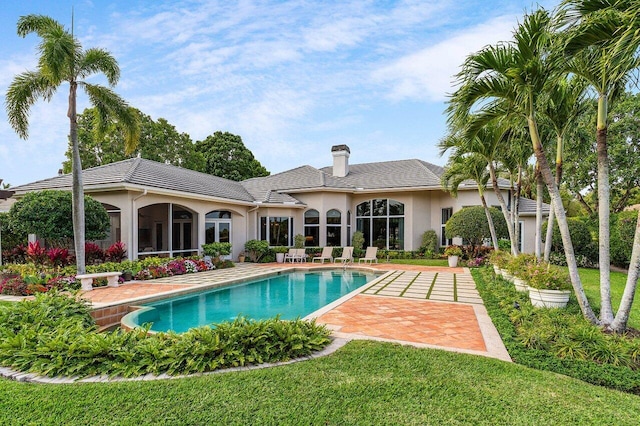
(382, 223)
(334, 228)
(311, 228)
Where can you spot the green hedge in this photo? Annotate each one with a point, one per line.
(555, 339)
(55, 335)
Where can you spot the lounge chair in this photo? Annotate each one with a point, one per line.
(291, 255)
(326, 254)
(301, 255)
(346, 256)
(370, 256)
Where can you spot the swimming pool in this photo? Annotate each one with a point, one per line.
(290, 295)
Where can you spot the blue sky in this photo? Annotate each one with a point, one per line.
(292, 78)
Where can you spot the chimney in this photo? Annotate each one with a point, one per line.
(340, 160)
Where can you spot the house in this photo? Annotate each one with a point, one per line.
(160, 209)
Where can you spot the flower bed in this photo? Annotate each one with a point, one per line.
(28, 279)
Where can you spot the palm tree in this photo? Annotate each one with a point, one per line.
(509, 78)
(485, 143)
(602, 45)
(61, 60)
(462, 167)
(565, 102)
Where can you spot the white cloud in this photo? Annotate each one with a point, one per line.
(429, 73)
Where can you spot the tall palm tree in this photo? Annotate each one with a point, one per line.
(511, 78)
(485, 142)
(62, 60)
(602, 45)
(462, 167)
(564, 103)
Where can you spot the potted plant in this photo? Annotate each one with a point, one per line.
(499, 259)
(280, 252)
(549, 287)
(453, 253)
(518, 269)
(127, 275)
(241, 257)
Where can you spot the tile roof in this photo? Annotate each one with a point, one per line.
(528, 207)
(147, 173)
(391, 174)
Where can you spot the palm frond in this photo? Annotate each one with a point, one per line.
(111, 107)
(99, 61)
(40, 24)
(23, 92)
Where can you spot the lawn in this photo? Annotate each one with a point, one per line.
(591, 282)
(420, 262)
(363, 383)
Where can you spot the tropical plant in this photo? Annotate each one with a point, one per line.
(453, 251)
(116, 252)
(546, 277)
(256, 249)
(508, 80)
(62, 59)
(602, 47)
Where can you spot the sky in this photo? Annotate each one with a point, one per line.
(292, 78)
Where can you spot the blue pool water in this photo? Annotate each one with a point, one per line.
(290, 295)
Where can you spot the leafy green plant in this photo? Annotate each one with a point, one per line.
(68, 343)
(256, 249)
(280, 249)
(298, 241)
(546, 277)
(518, 265)
(429, 245)
(453, 251)
(357, 241)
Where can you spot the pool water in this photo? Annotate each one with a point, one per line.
(290, 295)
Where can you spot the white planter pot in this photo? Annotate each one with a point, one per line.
(520, 284)
(280, 257)
(453, 261)
(497, 270)
(549, 298)
(507, 276)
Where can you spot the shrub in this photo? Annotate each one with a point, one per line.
(518, 265)
(68, 342)
(117, 252)
(256, 249)
(429, 245)
(583, 243)
(93, 253)
(546, 277)
(622, 233)
(58, 256)
(357, 241)
(471, 224)
(36, 253)
(547, 339)
(298, 241)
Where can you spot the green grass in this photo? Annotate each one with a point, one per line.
(420, 262)
(363, 383)
(591, 282)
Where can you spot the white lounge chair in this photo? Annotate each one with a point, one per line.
(346, 256)
(326, 254)
(301, 255)
(370, 256)
(291, 255)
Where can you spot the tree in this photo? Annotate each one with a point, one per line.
(462, 167)
(509, 79)
(159, 141)
(63, 60)
(602, 47)
(471, 225)
(227, 157)
(48, 213)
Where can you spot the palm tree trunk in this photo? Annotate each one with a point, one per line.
(505, 211)
(556, 202)
(606, 310)
(619, 324)
(539, 194)
(559, 161)
(516, 207)
(492, 228)
(77, 189)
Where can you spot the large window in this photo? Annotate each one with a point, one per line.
(382, 223)
(446, 215)
(276, 230)
(217, 227)
(311, 228)
(334, 228)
